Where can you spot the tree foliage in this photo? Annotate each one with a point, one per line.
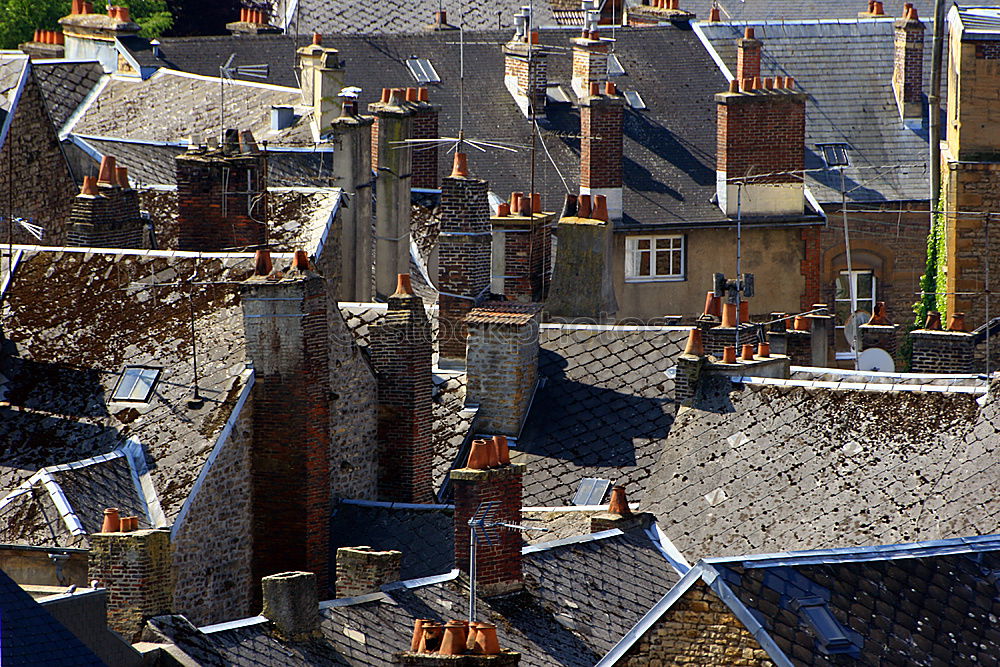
(20, 18)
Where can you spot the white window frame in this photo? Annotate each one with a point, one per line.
(142, 381)
(633, 255)
(862, 298)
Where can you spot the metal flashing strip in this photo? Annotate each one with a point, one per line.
(915, 376)
(357, 599)
(162, 72)
(614, 328)
(574, 508)
(334, 210)
(233, 625)
(181, 254)
(861, 386)
(84, 106)
(707, 43)
(569, 541)
(12, 110)
(59, 499)
(132, 449)
(422, 581)
(395, 506)
(139, 142)
(248, 378)
(91, 152)
(667, 548)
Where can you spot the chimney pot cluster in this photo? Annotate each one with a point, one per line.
(491, 453)
(753, 84)
(456, 637)
(257, 17)
(81, 7)
(909, 12)
(876, 8)
(48, 37)
(113, 523)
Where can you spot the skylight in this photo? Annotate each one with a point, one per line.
(634, 100)
(592, 491)
(136, 384)
(615, 66)
(835, 155)
(422, 70)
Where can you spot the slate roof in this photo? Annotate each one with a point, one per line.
(12, 66)
(30, 635)
(65, 84)
(845, 67)
(765, 468)
(796, 10)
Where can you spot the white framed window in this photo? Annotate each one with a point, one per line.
(864, 284)
(651, 258)
(135, 384)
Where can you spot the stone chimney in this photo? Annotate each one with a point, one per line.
(526, 69)
(582, 278)
(90, 36)
(45, 44)
(106, 213)
(522, 248)
(425, 127)
(761, 136)
(400, 351)
(222, 195)
(908, 66)
(321, 80)
(291, 602)
(498, 565)
(463, 258)
(252, 22)
(590, 61)
(287, 337)
(392, 161)
(656, 12)
(748, 50)
(362, 570)
(601, 118)
(502, 363)
(879, 331)
(351, 135)
(135, 568)
(619, 515)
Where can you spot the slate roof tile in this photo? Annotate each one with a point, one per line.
(65, 84)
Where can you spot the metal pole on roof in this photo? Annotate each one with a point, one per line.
(472, 574)
(934, 106)
(739, 257)
(987, 221)
(851, 285)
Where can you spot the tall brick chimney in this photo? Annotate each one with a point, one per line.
(400, 351)
(287, 335)
(601, 119)
(498, 565)
(425, 126)
(463, 258)
(135, 567)
(392, 161)
(582, 283)
(526, 70)
(321, 80)
(222, 195)
(590, 60)
(106, 214)
(502, 363)
(748, 50)
(90, 36)
(761, 132)
(522, 248)
(908, 66)
(351, 135)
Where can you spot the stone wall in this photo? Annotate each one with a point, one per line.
(699, 629)
(362, 570)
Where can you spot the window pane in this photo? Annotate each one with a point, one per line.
(842, 291)
(127, 384)
(665, 243)
(644, 263)
(643, 244)
(865, 284)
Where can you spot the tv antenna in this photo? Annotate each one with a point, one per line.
(485, 527)
(229, 72)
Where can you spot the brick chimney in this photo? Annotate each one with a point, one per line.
(498, 565)
(581, 279)
(502, 363)
(526, 68)
(463, 258)
(287, 336)
(90, 36)
(425, 126)
(601, 119)
(400, 350)
(106, 214)
(45, 44)
(362, 570)
(656, 12)
(392, 161)
(219, 202)
(761, 131)
(908, 66)
(748, 50)
(351, 135)
(522, 248)
(321, 80)
(590, 60)
(291, 602)
(135, 568)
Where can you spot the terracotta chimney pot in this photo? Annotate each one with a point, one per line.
(300, 260)
(714, 15)
(878, 317)
(403, 285)
(801, 323)
(479, 457)
(460, 168)
(243, 14)
(748, 32)
(789, 82)
(536, 202)
(423, 95)
(441, 17)
(734, 86)
(879, 8)
(317, 38)
(515, 202)
(747, 352)
(262, 263)
(957, 322)
(486, 639)
(525, 208)
(470, 638)
(453, 641)
(534, 37)
(74, 8)
(610, 89)
(768, 83)
(756, 83)
(89, 186)
(695, 346)
(385, 95)
(583, 207)
(600, 208)
(492, 453)
(87, 8)
(106, 175)
(121, 176)
(112, 523)
(595, 89)
(503, 209)
(124, 14)
(744, 311)
(411, 94)
(503, 449)
(729, 315)
(430, 637)
(418, 632)
(764, 350)
(933, 322)
(713, 304)
(618, 503)
(729, 354)
(747, 83)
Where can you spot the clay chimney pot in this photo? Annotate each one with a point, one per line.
(695, 345)
(503, 209)
(453, 641)
(748, 33)
(610, 89)
(714, 15)
(515, 202)
(801, 323)
(618, 503)
(600, 208)
(479, 456)
(430, 637)
(486, 639)
(262, 263)
(525, 207)
(713, 304)
(385, 95)
(411, 95)
(729, 315)
(460, 168)
(503, 449)
(764, 350)
(89, 186)
(536, 202)
(595, 89)
(121, 176)
(734, 86)
(583, 207)
(300, 260)
(933, 322)
(124, 14)
(729, 354)
(317, 38)
(957, 322)
(418, 632)
(423, 95)
(403, 285)
(106, 175)
(747, 352)
(112, 523)
(492, 453)
(747, 83)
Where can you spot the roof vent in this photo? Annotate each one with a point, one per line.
(282, 117)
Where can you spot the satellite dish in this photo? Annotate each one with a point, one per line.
(877, 360)
(851, 327)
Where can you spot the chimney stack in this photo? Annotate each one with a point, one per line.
(321, 80)
(590, 61)
(464, 256)
(252, 22)
(106, 214)
(400, 351)
(522, 249)
(90, 36)
(601, 128)
(291, 602)
(748, 50)
(582, 284)
(656, 12)
(362, 570)
(425, 127)
(526, 69)
(908, 66)
(351, 135)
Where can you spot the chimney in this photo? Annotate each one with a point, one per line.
(656, 12)
(582, 284)
(218, 206)
(522, 249)
(590, 60)
(502, 364)
(351, 135)
(252, 22)
(936, 351)
(748, 55)
(107, 216)
(425, 127)
(440, 22)
(321, 80)
(761, 132)
(619, 515)
(135, 568)
(291, 602)
(393, 163)
(875, 10)
(526, 69)
(879, 331)
(400, 352)
(362, 570)
(90, 36)
(45, 44)
(908, 67)
(498, 565)
(287, 335)
(463, 258)
(601, 118)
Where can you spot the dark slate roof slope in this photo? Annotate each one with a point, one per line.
(65, 84)
(205, 54)
(845, 67)
(767, 468)
(797, 10)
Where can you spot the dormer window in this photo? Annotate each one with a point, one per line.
(136, 384)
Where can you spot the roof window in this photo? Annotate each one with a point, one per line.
(136, 384)
(422, 70)
(592, 491)
(634, 100)
(615, 66)
(835, 155)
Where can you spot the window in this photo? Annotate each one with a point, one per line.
(835, 155)
(654, 258)
(864, 284)
(136, 384)
(615, 66)
(634, 100)
(422, 70)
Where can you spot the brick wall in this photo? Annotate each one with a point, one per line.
(527, 255)
(809, 266)
(400, 351)
(590, 63)
(699, 629)
(748, 56)
(135, 568)
(942, 352)
(498, 566)
(108, 220)
(526, 79)
(601, 142)
(761, 133)
(688, 375)
(881, 336)
(463, 259)
(424, 165)
(716, 338)
(798, 347)
(362, 570)
(908, 66)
